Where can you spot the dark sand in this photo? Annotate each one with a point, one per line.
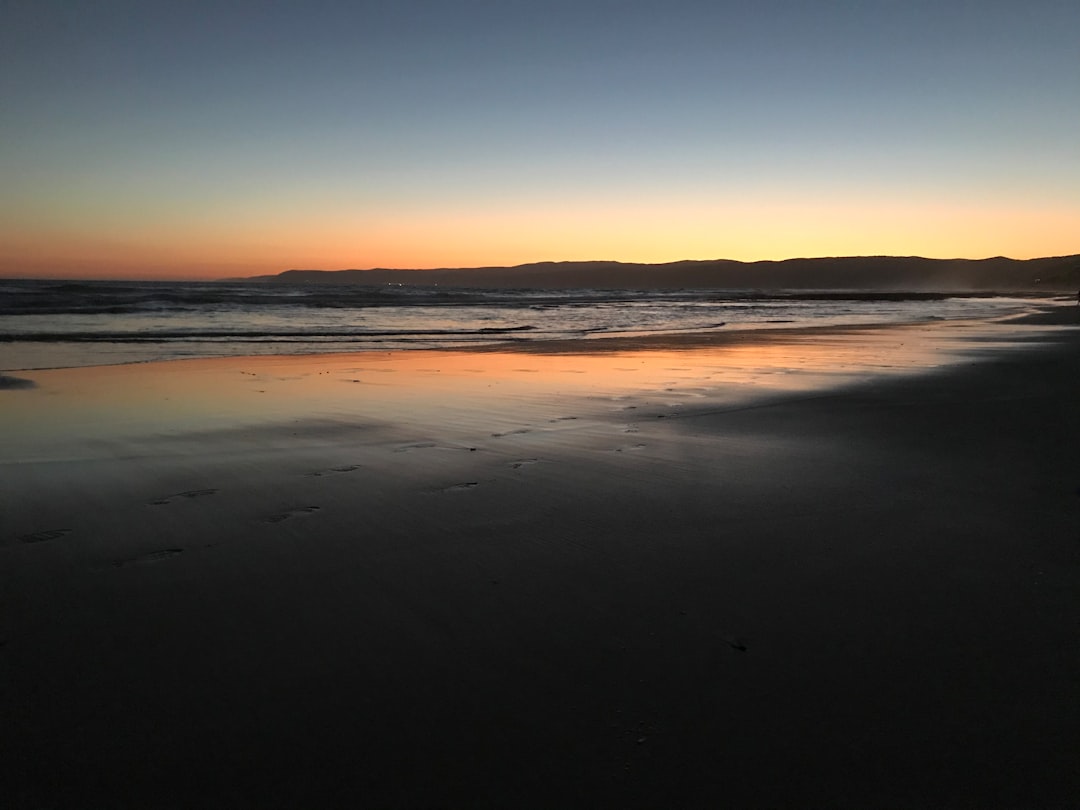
(807, 570)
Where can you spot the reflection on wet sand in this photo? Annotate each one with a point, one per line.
(71, 411)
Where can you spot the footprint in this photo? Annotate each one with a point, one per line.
(415, 446)
(150, 557)
(460, 487)
(41, 537)
(563, 419)
(300, 510)
(319, 473)
(735, 643)
(191, 493)
(510, 433)
(517, 465)
(629, 447)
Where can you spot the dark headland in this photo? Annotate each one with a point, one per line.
(850, 272)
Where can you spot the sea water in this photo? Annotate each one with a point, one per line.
(54, 324)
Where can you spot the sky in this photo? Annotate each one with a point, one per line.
(202, 140)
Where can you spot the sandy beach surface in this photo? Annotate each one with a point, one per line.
(824, 568)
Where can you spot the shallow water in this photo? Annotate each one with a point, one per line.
(51, 324)
(190, 406)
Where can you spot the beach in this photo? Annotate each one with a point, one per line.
(794, 568)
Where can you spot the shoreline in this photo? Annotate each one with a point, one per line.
(109, 405)
(833, 570)
(1061, 315)
(1045, 314)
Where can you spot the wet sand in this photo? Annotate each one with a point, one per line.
(819, 569)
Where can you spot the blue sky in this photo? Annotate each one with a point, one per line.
(200, 139)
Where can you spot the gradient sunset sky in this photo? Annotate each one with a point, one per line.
(191, 139)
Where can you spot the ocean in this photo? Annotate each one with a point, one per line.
(58, 324)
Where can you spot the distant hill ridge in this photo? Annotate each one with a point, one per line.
(850, 272)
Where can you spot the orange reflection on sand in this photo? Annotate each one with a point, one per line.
(125, 409)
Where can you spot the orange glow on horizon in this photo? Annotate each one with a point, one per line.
(666, 230)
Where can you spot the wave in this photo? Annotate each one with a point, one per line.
(251, 336)
(130, 298)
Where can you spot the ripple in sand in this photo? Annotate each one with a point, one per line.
(300, 510)
(191, 493)
(510, 433)
(149, 557)
(43, 536)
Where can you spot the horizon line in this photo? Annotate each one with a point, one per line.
(180, 276)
